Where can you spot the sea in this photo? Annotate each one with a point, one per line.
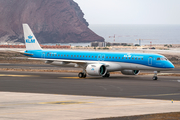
(125, 33)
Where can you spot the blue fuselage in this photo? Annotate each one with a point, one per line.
(149, 60)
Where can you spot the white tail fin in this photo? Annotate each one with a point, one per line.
(30, 40)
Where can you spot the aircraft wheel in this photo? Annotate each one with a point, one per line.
(107, 75)
(80, 75)
(84, 75)
(155, 78)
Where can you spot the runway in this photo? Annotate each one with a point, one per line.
(166, 88)
(47, 66)
(45, 95)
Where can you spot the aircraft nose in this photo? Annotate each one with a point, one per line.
(170, 65)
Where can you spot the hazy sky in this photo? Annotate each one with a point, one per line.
(131, 11)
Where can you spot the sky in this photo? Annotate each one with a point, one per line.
(131, 11)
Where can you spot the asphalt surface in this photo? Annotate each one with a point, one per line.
(47, 66)
(166, 88)
(35, 66)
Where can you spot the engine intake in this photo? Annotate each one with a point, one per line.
(96, 70)
(130, 72)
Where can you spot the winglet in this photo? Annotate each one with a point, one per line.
(30, 40)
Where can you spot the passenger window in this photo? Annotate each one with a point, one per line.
(74, 55)
(102, 56)
(109, 57)
(116, 57)
(126, 57)
(99, 56)
(129, 58)
(112, 57)
(86, 56)
(58, 55)
(132, 58)
(95, 56)
(138, 58)
(122, 58)
(142, 58)
(67, 55)
(71, 55)
(80, 55)
(119, 57)
(77, 55)
(89, 56)
(92, 56)
(83, 55)
(61, 55)
(106, 57)
(52, 54)
(64, 55)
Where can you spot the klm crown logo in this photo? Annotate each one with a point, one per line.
(30, 40)
(92, 69)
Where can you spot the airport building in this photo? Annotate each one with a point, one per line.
(104, 44)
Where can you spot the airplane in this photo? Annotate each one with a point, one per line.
(95, 63)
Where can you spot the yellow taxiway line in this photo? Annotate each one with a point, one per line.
(8, 75)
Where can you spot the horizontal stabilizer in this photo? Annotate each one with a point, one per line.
(27, 54)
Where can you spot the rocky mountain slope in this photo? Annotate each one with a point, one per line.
(52, 21)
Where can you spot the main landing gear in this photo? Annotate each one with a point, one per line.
(155, 75)
(82, 75)
(107, 75)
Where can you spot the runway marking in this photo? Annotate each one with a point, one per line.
(55, 102)
(157, 95)
(81, 108)
(64, 102)
(76, 77)
(71, 77)
(8, 75)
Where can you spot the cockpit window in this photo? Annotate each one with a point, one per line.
(158, 59)
(163, 58)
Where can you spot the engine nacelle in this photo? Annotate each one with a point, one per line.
(96, 70)
(130, 72)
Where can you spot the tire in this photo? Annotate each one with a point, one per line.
(107, 75)
(80, 75)
(84, 75)
(155, 78)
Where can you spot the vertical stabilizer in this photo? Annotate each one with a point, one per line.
(30, 40)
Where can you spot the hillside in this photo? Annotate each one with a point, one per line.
(52, 21)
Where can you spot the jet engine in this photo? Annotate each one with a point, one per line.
(130, 72)
(96, 69)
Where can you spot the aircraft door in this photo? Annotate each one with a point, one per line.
(150, 61)
(43, 55)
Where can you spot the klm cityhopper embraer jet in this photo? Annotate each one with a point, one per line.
(96, 63)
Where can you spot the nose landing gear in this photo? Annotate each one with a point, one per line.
(155, 75)
(155, 78)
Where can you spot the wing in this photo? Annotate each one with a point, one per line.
(80, 62)
(64, 60)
